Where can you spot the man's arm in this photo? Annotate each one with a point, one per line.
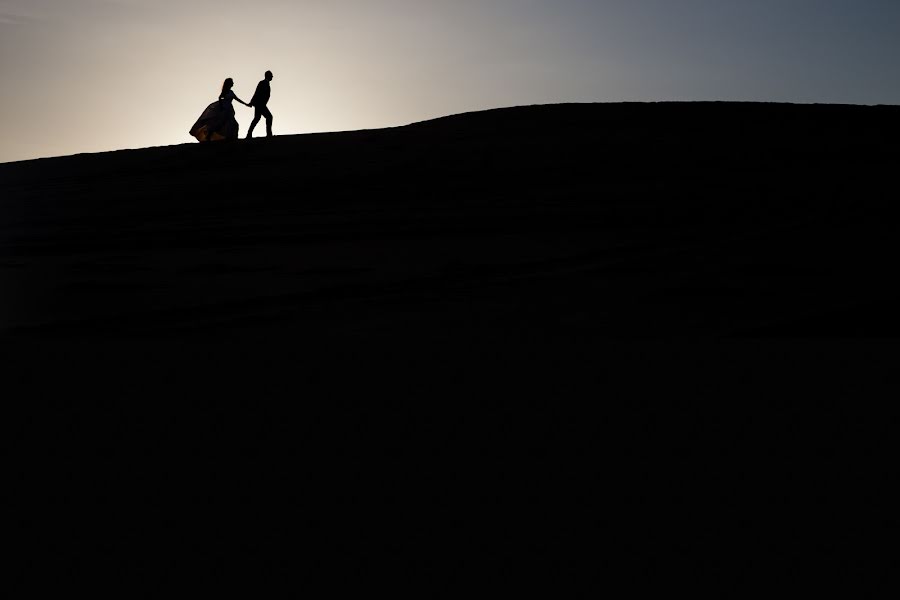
(256, 94)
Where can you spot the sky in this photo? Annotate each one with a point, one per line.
(96, 75)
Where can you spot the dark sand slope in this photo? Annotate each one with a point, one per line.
(617, 324)
(534, 223)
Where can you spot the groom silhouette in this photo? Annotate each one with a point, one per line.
(259, 102)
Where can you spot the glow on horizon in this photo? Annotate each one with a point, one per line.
(97, 75)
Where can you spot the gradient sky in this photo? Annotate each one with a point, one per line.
(94, 75)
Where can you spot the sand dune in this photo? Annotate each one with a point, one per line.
(576, 339)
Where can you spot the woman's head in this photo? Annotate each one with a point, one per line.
(229, 83)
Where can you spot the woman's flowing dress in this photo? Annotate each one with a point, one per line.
(217, 122)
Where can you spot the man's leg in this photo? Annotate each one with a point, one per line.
(257, 114)
(269, 120)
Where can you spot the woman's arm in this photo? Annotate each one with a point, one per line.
(238, 99)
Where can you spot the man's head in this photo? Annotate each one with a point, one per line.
(269, 76)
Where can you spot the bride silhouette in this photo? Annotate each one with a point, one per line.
(217, 122)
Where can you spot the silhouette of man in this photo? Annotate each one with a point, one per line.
(259, 101)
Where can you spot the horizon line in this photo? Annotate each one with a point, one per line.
(473, 112)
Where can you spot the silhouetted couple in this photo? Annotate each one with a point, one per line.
(218, 123)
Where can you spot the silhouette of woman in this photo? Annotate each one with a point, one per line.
(217, 122)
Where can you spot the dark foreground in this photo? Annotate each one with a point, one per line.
(611, 307)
